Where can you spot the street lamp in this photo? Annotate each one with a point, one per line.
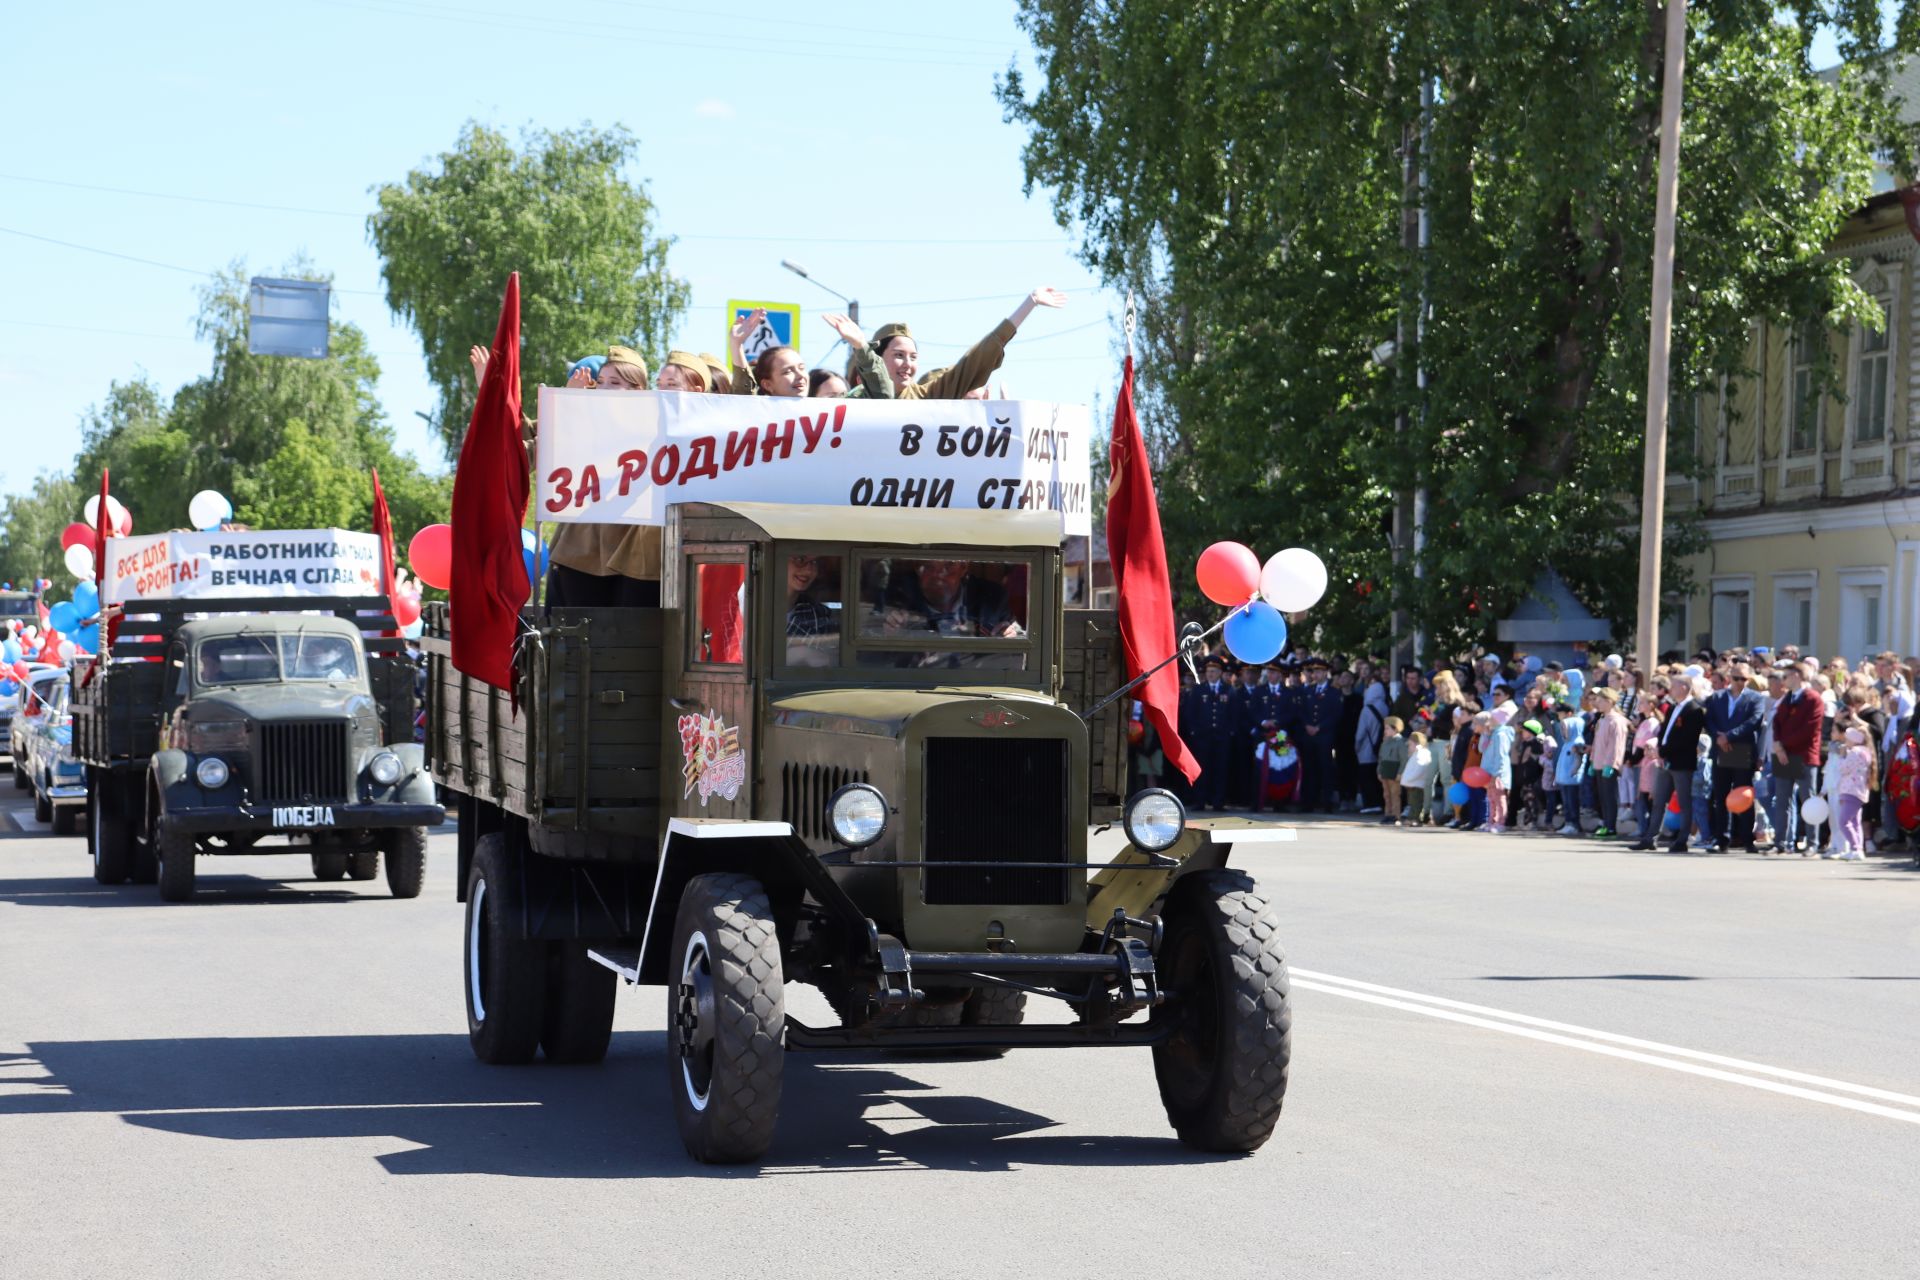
(853, 304)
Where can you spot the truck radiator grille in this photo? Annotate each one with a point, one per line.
(994, 800)
(304, 761)
(804, 792)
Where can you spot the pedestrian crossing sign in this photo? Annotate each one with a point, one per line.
(780, 329)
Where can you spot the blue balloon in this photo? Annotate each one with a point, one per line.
(8, 688)
(1671, 821)
(9, 651)
(1256, 631)
(86, 599)
(536, 555)
(88, 638)
(1458, 793)
(63, 617)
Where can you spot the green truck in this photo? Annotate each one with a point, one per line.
(216, 724)
(849, 751)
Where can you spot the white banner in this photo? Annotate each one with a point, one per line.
(624, 457)
(281, 562)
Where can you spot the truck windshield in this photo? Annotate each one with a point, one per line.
(14, 605)
(943, 609)
(271, 658)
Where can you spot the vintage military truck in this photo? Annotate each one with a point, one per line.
(256, 717)
(845, 751)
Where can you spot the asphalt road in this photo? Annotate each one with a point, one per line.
(1721, 1077)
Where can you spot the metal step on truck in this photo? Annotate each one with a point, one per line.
(219, 724)
(848, 751)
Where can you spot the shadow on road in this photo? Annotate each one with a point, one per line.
(460, 1116)
(210, 890)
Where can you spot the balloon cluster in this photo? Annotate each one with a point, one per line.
(1291, 581)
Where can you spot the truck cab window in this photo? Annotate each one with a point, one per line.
(719, 612)
(813, 610)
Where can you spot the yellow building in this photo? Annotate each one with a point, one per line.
(1811, 501)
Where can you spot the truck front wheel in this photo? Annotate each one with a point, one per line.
(363, 864)
(1223, 1072)
(175, 849)
(726, 1019)
(506, 977)
(405, 850)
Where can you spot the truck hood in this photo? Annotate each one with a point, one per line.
(884, 713)
(285, 702)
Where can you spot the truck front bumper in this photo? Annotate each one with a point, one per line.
(301, 819)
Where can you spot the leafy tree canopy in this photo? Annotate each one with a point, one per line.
(1251, 167)
(593, 269)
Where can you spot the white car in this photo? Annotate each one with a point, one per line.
(59, 781)
(28, 702)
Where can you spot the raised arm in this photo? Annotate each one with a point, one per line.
(974, 368)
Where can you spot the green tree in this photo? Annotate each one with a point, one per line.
(1250, 167)
(30, 527)
(593, 270)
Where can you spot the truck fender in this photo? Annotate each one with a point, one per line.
(768, 851)
(1206, 845)
(170, 780)
(416, 787)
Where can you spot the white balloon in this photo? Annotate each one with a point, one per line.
(117, 514)
(1293, 580)
(1813, 810)
(208, 509)
(80, 561)
(67, 649)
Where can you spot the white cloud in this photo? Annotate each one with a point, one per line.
(715, 109)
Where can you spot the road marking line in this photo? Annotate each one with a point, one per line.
(1426, 1005)
(331, 1106)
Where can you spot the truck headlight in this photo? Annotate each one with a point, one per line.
(857, 815)
(385, 768)
(1155, 819)
(212, 773)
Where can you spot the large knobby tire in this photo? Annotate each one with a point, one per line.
(110, 839)
(363, 864)
(329, 864)
(580, 996)
(726, 1019)
(994, 1007)
(505, 976)
(1223, 1074)
(175, 850)
(405, 855)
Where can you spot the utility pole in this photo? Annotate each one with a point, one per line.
(1653, 489)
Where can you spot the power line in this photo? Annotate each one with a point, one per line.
(167, 195)
(149, 262)
(938, 38)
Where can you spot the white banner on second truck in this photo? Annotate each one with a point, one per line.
(283, 562)
(624, 457)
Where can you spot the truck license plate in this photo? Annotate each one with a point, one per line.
(303, 815)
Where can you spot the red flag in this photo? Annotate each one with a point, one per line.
(1140, 578)
(488, 580)
(383, 526)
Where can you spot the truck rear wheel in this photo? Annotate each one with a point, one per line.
(363, 864)
(329, 865)
(109, 839)
(580, 995)
(42, 807)
(175, 849)
(1223, 1073)
(506, 977)
(65, 820)
(726, 1019)
(405, 850)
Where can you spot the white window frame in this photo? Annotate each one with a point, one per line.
(1873, 577)
(1887, 283)
(1682, 607)
(1784, 585)
(1729, 584)
(1787, 459)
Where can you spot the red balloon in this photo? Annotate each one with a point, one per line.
(431, 554)
(1474, 776)
(77, 534)
(20, 668)
(1229, 573)
(1740, 799)
(1673, 803)
(406, 609)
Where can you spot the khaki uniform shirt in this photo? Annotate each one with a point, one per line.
(969, 371)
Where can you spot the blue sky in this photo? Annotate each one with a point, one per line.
(866, 145)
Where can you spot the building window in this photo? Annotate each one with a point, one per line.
(1873, 374)
(1794, 608)
(1683, 430)
(1732, 616)
(1673, 625)
(1862, 613)
(1803, 432)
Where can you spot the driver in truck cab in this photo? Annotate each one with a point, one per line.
(947, 597)
(324, 658)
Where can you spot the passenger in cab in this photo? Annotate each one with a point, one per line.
(897, 349)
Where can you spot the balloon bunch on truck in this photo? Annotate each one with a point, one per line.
(858, 747)
(222, 719)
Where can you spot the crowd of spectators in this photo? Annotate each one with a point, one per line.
(1719, 751)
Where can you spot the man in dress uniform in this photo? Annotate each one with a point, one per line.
(1207, 723)
(1316, 713)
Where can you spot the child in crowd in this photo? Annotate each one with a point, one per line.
(1570, 765)
(1527, 773)
(1646, 741)
(1416, 779)
(1391, 759)
(1497, 760)
(1851, 766)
